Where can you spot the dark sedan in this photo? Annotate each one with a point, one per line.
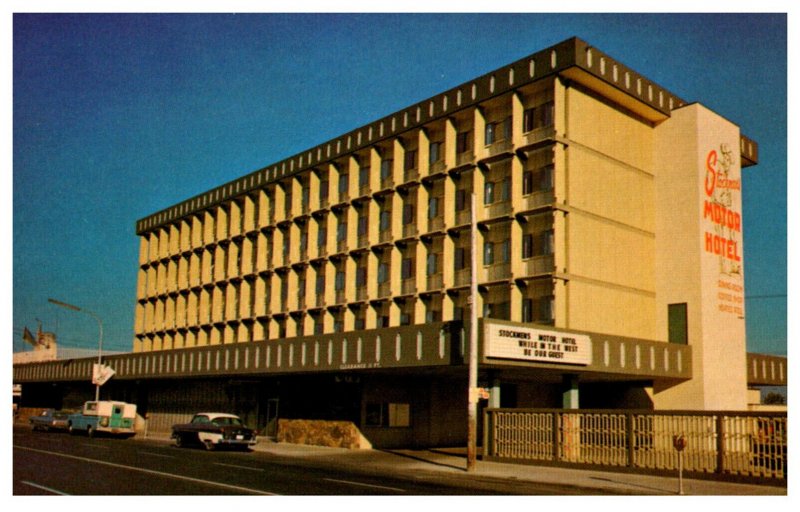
(214, 430)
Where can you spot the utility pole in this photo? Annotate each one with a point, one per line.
(99, 343)
(472, 392)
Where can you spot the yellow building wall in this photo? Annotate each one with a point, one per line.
(606, 247)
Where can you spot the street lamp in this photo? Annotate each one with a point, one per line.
(99, 343)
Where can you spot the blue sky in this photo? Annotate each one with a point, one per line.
(118, 116)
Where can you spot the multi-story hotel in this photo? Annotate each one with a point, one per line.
(336, 282)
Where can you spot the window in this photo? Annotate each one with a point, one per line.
(461, 200)
(341, 231)
(432, 265)
(408, 214)
(527, 182)
(488, 253)
(498, 131)
(362, 224)
(435, 152)
(383, 321)
(383, 273)
(491, 133)
(460, 258)
(386, 168)
(343, 185)
(410, 160)
(458, 313)
(547, 242)
(433, 207)
(538, 117)
(505, 251)
(433, 316)
(499, 310)
(678, 323)
(339, 283)
(527, 119)
(505, 189)
(320, 288)
(463, 142)
(527, 246)
(488, 192)
(361, 276)
(387, 415)
(546, 309)
(527, 310)
(360, 324)
(386, 220)
(405, 319)
(538, 180)
(323, 191)
(319, 327)
(322, 236)
(407, 268)
(363, 177)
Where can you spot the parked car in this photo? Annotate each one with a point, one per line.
(213, 430)
(117, 418)
(50, 420)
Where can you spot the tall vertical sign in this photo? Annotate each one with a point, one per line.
(700, 255)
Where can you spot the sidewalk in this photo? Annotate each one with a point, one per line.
(453, 462)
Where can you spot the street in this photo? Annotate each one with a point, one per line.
(61, 464)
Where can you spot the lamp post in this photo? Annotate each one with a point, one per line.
(99, 343)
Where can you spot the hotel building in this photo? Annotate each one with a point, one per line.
(335, 284)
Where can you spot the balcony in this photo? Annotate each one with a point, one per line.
(465, 158)
(537, 136)
(410, 174)
(544, 264)
(361, 293)
(408, 286)
(436, 223)
(384, 290)
(461, 277)
(498, 148)
(538, 199)
(498, 209)
(409, 230)
(385, 236)
(498, 272)
(435, 282)
(340, 297)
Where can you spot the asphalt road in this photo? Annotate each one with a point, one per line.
(58, 463)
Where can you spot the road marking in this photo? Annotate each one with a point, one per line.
(151, 472)
(238, 466)
(48, 489)
(154, 454)
(364, 485)
(99, 447)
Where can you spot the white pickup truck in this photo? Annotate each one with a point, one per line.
(104, 416)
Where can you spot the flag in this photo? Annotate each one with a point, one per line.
(27, 336)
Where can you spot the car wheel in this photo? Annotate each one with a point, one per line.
(89, 431)
(70, 429)
(179, 441)
(209, 445)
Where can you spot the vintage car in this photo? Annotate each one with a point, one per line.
(50, 419)
(214, 430)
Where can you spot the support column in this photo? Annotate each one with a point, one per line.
(494, 395)
(570, 392)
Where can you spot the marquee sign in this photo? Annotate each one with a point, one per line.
(528, 344)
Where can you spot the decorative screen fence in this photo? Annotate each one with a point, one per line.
(750, 444)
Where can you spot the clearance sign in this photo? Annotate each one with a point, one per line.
(527, 344)
(722, 225)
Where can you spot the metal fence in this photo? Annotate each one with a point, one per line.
(734, 443)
